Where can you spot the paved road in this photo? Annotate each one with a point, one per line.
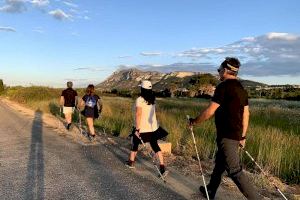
(37, 163)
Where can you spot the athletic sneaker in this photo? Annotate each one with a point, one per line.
(210, 193)
(69, 126)
(163, 170)
(92, 137)
(129, 164)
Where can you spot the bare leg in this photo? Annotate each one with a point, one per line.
(90, 122)
(156, 148)
(160, 157)
(132, 155)
(68, 117)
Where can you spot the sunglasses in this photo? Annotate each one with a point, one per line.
(220, 69)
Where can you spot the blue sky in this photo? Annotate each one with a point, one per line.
(47, 42)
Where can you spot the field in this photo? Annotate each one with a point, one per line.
(273, 135)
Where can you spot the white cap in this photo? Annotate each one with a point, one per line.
(146, 85)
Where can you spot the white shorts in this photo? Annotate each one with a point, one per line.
(68, 110)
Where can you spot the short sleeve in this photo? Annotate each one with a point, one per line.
(63, 93)
(75, 93)
(139, 102)
(219, 94)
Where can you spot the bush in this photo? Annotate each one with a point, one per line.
(1, 86)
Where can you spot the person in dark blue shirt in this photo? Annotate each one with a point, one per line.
(92, 108)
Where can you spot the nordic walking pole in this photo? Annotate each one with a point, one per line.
(60, 110)
(151, 158)
(79, 119)
(200, 167)
(263, 172)
(59, 116)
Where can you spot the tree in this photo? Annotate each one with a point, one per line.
(203, 79)
(1, 86)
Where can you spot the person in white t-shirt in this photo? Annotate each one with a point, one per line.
(146, 125)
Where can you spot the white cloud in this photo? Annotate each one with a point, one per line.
(201, 52)
(19, 6)
(59, 14)
(75, 79)
(249, 39)
(72, 5)
(93, 69)
(282, 36)
(7, 29)
(40, 3)
(38, 30)
(289, 56)
(266, 55)
(150, 53)
(75, 11)
(192, 67)
(124, 56)
(126, 66)
(14, 6)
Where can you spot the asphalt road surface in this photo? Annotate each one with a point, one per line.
(37, 163)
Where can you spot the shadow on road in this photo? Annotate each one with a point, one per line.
(34, 188)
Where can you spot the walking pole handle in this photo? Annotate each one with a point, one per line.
(188, 118)
(137, 135)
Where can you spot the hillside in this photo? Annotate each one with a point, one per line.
(129, 79)
(179, 83)
(248, 83)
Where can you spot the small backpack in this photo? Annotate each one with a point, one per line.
(91, 102)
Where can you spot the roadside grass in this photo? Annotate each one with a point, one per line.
(273, 135)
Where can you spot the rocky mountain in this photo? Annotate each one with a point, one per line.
(194, 83)
(169, 84)
(129, 79)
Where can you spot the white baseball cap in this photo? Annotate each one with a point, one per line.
(146, 85)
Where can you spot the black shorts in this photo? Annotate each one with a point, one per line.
(151, 137)
(148, 136)
(90, 112)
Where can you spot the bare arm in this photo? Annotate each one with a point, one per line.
(246, 115)
(138, 115)
(206, 114)
(62, 101)
(81, 103)
(76, 101)
(99, 105)
(245, 125)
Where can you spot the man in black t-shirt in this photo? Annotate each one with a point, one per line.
(230, 106)
(68, 100)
